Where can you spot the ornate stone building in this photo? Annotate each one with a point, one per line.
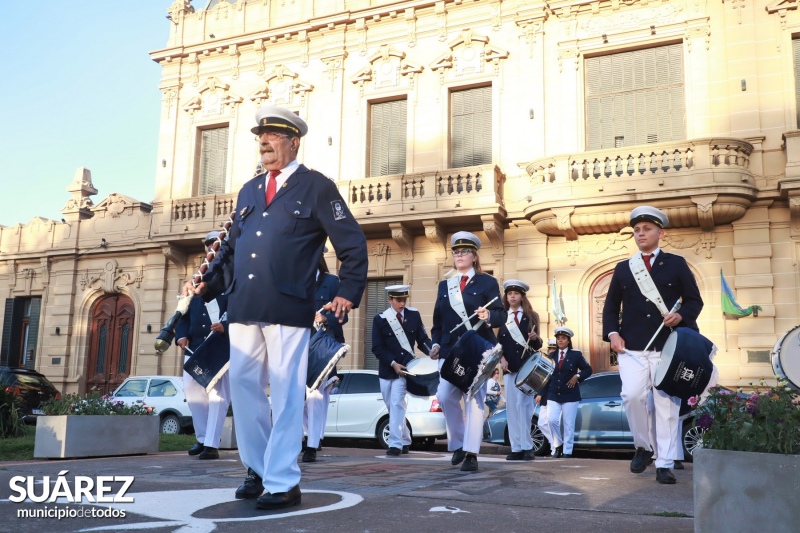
(536, 125)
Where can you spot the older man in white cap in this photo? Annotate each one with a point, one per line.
(646, 288)
(208, 407)
(268, 266)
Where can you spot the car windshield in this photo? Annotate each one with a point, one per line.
(30, 379)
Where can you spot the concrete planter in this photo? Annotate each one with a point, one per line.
(59, 437)
(228, 438)
(745, 491)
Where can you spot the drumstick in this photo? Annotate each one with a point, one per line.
(674, 308)
(490, 302)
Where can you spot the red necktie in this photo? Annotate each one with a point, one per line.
(647, 258)
(272, 185)
(400, 317)
(464, 280)
(515, 317)
(561, 360)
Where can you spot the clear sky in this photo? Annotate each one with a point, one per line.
(78, 89)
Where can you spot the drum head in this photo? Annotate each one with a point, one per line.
(786, 357)
(422, 365)
(666, 356)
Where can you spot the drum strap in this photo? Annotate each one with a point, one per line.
(513, 328)
(391, 317)
(645, 282)
(456, 300)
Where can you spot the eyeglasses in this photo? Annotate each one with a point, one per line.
(272, 135)
(461, 252)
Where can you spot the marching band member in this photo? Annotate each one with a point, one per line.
(394, 333)
(519, 337)
(268, 265)
(208, 408)
(563, 394)
(665, 279)
(458, 297)
(541, 400)
(315, 413)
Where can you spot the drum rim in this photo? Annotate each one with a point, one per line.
(777, 363)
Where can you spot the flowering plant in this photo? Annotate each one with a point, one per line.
(766, 420)
(72, 404)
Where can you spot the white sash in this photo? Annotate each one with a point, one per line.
(456, 300)
(645, 283)
(213, 311)
(513, 328)
(391, 317)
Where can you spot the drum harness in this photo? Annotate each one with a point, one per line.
(649, 290)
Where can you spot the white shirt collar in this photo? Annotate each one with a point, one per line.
(281, 178)
(469, 274)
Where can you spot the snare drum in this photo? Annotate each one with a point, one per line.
(786, 358)
(685, 369)
(423, 377)
(535, 374)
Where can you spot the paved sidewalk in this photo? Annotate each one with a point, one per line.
(361, 490)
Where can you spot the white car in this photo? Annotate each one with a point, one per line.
(165, 394)
(356, 410)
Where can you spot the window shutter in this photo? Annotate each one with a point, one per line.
(635, 97)
(7, 331)
(33, 333)
(376, 303)
(471, 138)
(213, 161)
(388, 138)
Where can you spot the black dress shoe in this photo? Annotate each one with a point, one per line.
(394, 452)
(279, 500)
(639, 461)
(310, 455)
(405, 450)
(677, 465)
(303, 444)
(209, 453)
(197, 449)
(470, 463)
(252, 487)
(458, 456)
(665, 476)
(528, 455)
(515, 456)
(559, 451)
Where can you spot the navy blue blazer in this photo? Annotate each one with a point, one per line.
(387, 348)
(327, 288)
(512, 350)
(479, 291)
(574, 363)
(268, 263)
(640, 316)
(195, 325)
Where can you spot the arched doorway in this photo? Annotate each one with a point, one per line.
(110, 339)
(603, 359)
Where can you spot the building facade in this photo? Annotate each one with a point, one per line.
(536, 125)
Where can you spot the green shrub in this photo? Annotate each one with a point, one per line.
(11, 424)
(93, 404)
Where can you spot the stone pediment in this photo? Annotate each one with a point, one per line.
(385, 69)
(282, 87)
(468, 55)
(116, 205)
(212, 99)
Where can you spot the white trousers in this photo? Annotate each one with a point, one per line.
(269, 355)
(562, 414)
(394, 396)
(544, 425)
(646, 406)
(519, 411)
(315, 414)
(208, 408)
(464, 423)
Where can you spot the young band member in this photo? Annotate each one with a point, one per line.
(563, 394)
(208, 408)
(665, 279)
(394, 333)
(467, 292)
(316, 408)
(519, 337)
(541, 400)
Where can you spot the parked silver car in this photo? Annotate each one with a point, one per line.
(601, 420)
(356, 410)
(165, 394)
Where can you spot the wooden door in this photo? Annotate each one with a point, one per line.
(602, 358)
(110, 339)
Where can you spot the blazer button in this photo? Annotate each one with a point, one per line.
(251, 276)
(253, 255)
(648, 316)
(258, 234)
(297, 213)
(263, 215)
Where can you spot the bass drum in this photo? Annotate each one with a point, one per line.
(786, 358)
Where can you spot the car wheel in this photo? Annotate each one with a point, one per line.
(170, 425)
(382, 433)
(692, 439)
(540, 445)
